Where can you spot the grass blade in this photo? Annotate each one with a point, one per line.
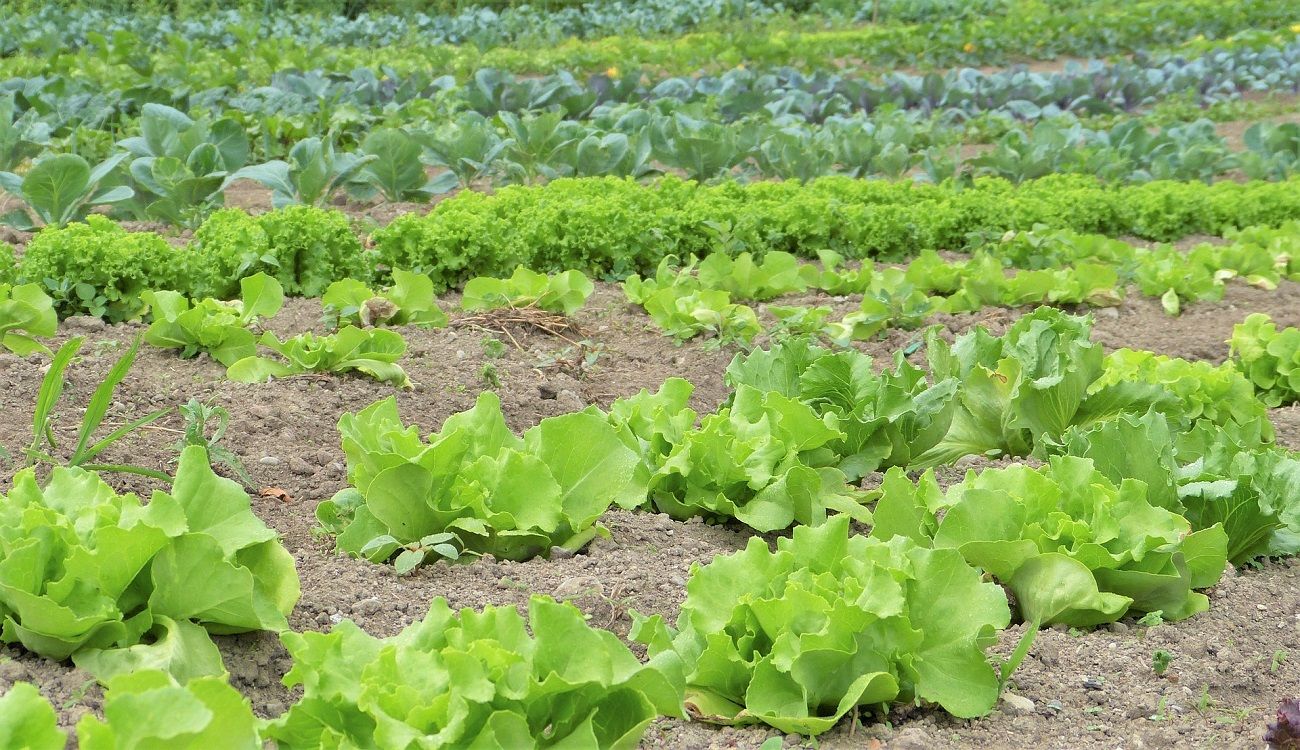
(125, 429)
(130, 469)
(51, 391)
(100, 401)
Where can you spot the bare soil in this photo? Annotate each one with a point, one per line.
(1088, 689)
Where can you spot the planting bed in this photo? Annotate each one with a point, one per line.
(1077, 689)
(568, 302)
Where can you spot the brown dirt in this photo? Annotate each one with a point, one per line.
(284, 433)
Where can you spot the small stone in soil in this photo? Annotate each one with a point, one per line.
(1017, 705)
(300, 467)
(268, 460)
(912, 738)
(1093, 683)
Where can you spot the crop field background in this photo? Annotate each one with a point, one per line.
(650, 373)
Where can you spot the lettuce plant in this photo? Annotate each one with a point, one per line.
(409, 301)
(221, 329)
(747, 279)
(983, 281)
(303, 247)
(99, 269)
(118, 584)
(1207, 473)
(829, 622)
(474, 679)
(1268, 357)
(145, 708)
(1026, 386)
(1205, 391)
(150, 708)
(371, 351)
(798, 320)
(653, 422)
(1070, 544)
(766, 460)
(884, 307)
(886, 418)
(28, 721)
(562, 292)
(512, 497)
(741, 276)
(684, 314)
(26, 313)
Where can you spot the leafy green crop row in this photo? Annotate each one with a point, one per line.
(1022, 268)
(486, 679)
(614, 228)
(618, 227)
(312, 117)
(1041, 31)
(801, 424)
(182, 167)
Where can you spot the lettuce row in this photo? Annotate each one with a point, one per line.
(799, 637)
(615, 228)
(1022, 268)
(118, 585)
(619, 227)
(1260, 256)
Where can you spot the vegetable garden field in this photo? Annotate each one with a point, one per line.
(404, 374)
